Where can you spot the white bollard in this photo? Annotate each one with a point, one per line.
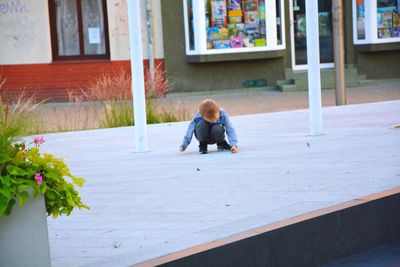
(314, 74)
(138, 90)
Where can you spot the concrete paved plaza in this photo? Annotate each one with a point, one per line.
(144, 205)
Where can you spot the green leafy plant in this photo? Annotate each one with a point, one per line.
(24, 169)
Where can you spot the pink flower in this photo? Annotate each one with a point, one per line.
(38, 178)
(39, 140)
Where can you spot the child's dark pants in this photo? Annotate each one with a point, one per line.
(209, 133)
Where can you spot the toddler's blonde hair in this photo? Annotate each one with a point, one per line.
(209, 109)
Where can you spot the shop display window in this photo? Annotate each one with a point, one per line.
(376, 21)
(230, 26)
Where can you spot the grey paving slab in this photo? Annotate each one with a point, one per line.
(145, 205)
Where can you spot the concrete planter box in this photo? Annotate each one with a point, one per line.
(24, 239)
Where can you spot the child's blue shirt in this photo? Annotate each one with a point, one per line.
(223, 120)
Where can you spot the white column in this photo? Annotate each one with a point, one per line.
(314, 74)
(270, 17)
(199, 26)
(138, 93)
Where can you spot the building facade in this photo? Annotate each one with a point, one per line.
(53, 47)
(243, 43)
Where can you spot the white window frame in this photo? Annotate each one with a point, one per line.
(293, 55)
(200, 37)
(371, 25)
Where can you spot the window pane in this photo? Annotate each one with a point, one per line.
(360, 19)
(190, 23)
(325, 31)
(67, 28)
(235, 23)
(93, 27)
(388, 18)
(279, 22)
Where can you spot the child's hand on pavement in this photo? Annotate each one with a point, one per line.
(181, 148)
(234, 149)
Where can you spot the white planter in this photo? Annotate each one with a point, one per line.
(24, 240)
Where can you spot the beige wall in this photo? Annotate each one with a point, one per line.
(119, 29)
(25, 31)
(157, 29)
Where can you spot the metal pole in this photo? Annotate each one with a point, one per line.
(314, 74)
(338, 49)
(138, 93)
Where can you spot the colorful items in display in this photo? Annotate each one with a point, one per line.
(236, 23)
(236, 42)
(263, 29)
(218, 13)
(261, 12)
(251, 17)
(360, 9)
(235, 16)
(384, 33)
(212, 33)
(223, 33)
(388, 12)
(260, 42)
(234, 5)
(387, 20)
(379, 20)
(250, 5)
(240, 29)
(247, 43)
(252, 31)
(395, 32)
(232, 31)
(360, 19)
(396, 20)
(221, 44)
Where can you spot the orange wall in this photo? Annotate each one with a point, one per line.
(55, 80)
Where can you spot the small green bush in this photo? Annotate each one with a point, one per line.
(23, 168)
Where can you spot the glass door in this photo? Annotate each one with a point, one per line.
(298, 32)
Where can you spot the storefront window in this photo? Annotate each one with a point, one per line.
(376, 21)
(388, 23)
(230, 26)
